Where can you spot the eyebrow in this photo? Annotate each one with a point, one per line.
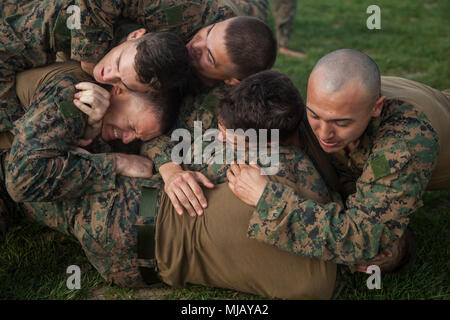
(339, 119)
(209, 51)
(118, 64)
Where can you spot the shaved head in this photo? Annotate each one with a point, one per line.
(339, 68)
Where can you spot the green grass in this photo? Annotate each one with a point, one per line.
(413, 42)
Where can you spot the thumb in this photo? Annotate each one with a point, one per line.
(203, 180)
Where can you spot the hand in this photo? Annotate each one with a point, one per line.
(183, 186)
(88, 67)
(134, 166)
(246, 182)
(97, 98)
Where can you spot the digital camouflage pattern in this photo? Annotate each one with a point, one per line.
(284, 12)
(27, 39)
(43, 165)
(199, 107)
(32, 31)
(91, 41)
(390, 169)
(105, 223)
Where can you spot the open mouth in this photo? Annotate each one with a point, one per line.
(328, 144)
(115, 133)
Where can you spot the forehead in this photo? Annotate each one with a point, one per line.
(145, 122)
(126, 61)
(349, 101)
(216, 43)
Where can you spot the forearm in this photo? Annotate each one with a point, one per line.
(159, 150)
(48, 175)
(328, 232)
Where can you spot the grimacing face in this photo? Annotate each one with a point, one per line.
(117, 66)
(208, 53)
(129, 117)
(338, 119)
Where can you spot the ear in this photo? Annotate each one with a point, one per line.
(231, 81)
(136, 34)
(376, 111)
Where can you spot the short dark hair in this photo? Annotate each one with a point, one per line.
(165, 105)
(251, 45)
(266, 100)
(162, 60)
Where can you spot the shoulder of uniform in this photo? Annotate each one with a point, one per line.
(389, 157)
(212, 98)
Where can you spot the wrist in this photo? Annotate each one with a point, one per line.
(168, 169)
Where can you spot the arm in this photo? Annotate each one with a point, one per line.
(376, 215)
(184, 186)
(43, 165)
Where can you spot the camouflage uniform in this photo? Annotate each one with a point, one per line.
(284, 15)
(106, 224)
(43, 165)
(198, 107)
(385, 176)
(33, 31)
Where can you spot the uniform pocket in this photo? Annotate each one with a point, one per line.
(91, 225)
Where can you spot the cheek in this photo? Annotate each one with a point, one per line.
(315, 124)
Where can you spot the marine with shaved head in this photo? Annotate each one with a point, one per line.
(388, 139)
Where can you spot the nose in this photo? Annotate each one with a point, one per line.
(197, 47)
(128, 136)
(110, 74)
(325, 131)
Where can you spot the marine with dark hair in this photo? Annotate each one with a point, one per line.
(210, 56)
(388, 139)
(31, 34)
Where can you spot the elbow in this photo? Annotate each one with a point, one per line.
(20, 178)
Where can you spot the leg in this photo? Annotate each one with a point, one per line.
(284, 15)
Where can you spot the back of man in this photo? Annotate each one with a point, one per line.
(436, 106)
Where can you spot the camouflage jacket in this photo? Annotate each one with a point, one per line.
(91, 40)
(389, 168)
(194, 108)
(43, 165)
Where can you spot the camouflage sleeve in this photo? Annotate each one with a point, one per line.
(387, 193)
(43, 165)
(91, 40)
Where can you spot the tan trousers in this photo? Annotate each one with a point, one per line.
(213, 250)
(436, 106)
